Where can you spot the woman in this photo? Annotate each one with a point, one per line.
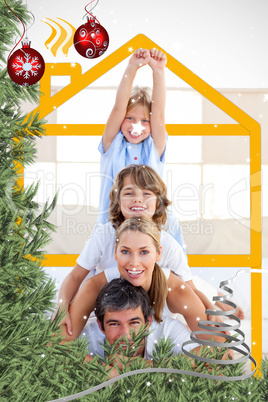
(137, 252)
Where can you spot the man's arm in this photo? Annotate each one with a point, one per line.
(139, 58)
(158, 130)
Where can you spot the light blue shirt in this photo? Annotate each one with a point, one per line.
(121, 154)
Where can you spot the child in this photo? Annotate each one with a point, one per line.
(135, 130)
(138, 191)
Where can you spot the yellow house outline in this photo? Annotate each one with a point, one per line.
(246, 127)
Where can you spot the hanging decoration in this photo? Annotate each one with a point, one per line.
(25, 66)
(91, 39)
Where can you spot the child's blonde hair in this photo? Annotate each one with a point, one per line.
(158, 290)
(140, 96)
(144, 177)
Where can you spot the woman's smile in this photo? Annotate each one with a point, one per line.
(136, 256)
(134, 273)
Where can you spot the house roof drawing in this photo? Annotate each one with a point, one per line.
(245, 126)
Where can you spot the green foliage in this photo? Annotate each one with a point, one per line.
(33, 366)
(9, 24)
(263, 389)
(10, 28)
(130, 345)
(179, 387)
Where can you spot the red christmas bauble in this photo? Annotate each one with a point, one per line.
(26, 66)
(91, 40)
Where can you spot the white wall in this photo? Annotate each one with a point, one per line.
(222, 41)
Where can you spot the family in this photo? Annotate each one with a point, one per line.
(133, 269)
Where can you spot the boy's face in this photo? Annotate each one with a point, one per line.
(119, 323)
(136, 125)
(136, 201)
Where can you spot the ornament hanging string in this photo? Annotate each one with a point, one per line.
(89, 12)
(22, 25)
(27, 29)
(91, 39)
(25, 66)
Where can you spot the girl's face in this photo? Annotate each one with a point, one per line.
(136, 255)
(136, 126)
(136, 201)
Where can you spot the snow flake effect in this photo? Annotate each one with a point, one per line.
(27, 66)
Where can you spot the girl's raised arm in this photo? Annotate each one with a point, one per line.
(139, 58)
(158, 62)
(83, 304)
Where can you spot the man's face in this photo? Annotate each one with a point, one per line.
(120, 323)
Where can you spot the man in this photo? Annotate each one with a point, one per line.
(122, 308)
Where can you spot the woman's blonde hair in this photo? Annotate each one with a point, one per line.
(144, 177)
(158, 290)
(140, 96)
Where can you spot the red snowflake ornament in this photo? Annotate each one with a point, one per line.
(26, 66)
(91, 40)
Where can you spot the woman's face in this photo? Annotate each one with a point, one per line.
(136, 201)
(136, 255)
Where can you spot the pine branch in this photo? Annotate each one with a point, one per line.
(10, 23)
(264, 383)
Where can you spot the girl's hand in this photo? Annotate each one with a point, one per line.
(140, 58)
(239, 313)
(224, 307)
(67, 322)
(158, 59)
(219, 320)
(215, 318)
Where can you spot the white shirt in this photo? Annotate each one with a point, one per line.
(98, 253)
(168, 328)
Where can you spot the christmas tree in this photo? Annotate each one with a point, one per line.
(30, 370)
(33, 365)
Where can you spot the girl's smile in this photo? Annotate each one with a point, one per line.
(136, 126)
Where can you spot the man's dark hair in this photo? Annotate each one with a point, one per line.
(119, 294)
